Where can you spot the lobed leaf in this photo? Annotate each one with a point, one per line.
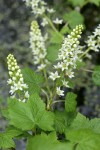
(27, 116)
(47, 142)
(70, 103)
(6, 138)
(52, 52)
(84, 139)
(73, 18)
(33, 80)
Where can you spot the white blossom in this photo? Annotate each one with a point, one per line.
(59, 91)
(69, 53)
(37, 44)
(54, 76)
(26, 94)
(93, 41)
(65, 83)
(39, 7)
(58, 21)
(16, 80)
(44, 22)
(41, 67)
(50, 10)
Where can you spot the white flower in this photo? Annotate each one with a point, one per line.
(25, 86)
(68, 56)
(44, 22)
(16, 80)
(26, 94)
(65, 83)
(41, 67)
(57, 21)
(93, 41)
(37, 44)
(50, 10)
(69, 52)
(70, 74)
(58, 65)
(59, 92)
(12, 90)
(38, 6)
(24, 100)
(54, 76)
(18, 86)
(9, 81)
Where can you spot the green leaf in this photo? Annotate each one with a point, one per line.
(96, 75)
(81, 3)
(13, 132)
(47, 142)
(20, 115)
(56, 38)
(84, 139)
(71, 83)
(5, 113)
(70, 103)
(80, 122)
(73, 18)
(77, 2)
(80, 64)
(44, 119)
(6, 141)
(65, 30)
(33, 80)
(52, 52)
(95, 125)
(96, 2)
(6, 138)
(27, 116)
(61, 121)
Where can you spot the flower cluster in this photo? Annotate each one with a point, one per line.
(37, 44)
(16, 81)
(38, 7)
(93, 41)
(68, 56)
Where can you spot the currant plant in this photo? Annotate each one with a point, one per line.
(34, 93)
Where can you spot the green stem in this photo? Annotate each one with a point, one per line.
(58, 101)
(48, 88)
(85, 53)
(54, 89)
(87, 70)
(46, 79)
(52, 26)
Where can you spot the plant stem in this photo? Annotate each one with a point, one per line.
(48, 88)
(58, 101)
(52, 26)
(87, 70)
(85, 53)
(46, 79)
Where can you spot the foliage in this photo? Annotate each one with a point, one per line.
(56, 62)
(96, 75)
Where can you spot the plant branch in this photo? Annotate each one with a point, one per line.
(85, 53)
(52, 26)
